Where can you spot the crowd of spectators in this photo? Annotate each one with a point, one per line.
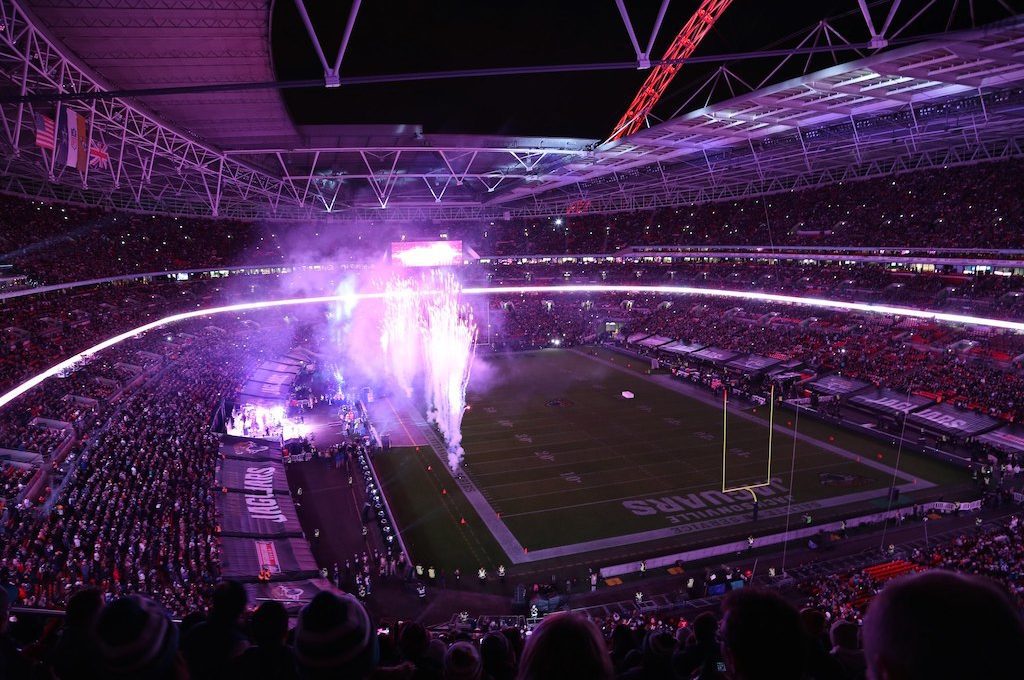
(977, 206)
(68, 404)
(939, 624)
(53, 243)
(13, 479)
(531, 323)
(42, 329)
(133, 509)
(995, 551)
(968, 367)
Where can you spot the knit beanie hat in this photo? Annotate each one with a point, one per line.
(334, 636)
(136, 638)
(462, 662)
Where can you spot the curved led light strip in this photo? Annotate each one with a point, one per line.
(486, 290)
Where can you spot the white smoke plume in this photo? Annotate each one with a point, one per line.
(400, 332)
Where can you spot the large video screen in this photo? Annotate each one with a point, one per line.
(426, 253)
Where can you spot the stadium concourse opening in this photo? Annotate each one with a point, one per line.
(689, 345)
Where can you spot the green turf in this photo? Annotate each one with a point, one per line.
(431, 521)
(557, 451)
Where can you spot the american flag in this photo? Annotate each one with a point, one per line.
(45, 131)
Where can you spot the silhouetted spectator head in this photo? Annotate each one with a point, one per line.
(190, 621)
(137, 639)
(845, 648)
(83, 608)
(434, 657)
(462, 662)
(623, 639)
(705, 627)
(814, 622)
(496, 655)
(565, 646)
(844, 634)
(269, 624)
(413, 640)
(657, 652)
(228, 602)
(515, 642)
(761, 636)
(943, 625)
(334, 639)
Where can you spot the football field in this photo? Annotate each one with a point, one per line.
(559, 464)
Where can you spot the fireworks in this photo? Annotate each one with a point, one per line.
(449, 344)
(430, 334)
(400, 332)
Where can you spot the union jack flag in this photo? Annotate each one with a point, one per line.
(98, 155)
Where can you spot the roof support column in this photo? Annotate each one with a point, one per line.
(331, 71)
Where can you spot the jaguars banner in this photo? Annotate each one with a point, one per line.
(246, 475)
(257, 513)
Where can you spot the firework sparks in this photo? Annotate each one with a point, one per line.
(400, 332)
(449, 344)
(427, 333)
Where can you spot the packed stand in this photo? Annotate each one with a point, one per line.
(967, 367)
(978, 206)
(52, 243)
(13, 480)
(135, 510)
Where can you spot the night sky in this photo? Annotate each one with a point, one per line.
(395, 37)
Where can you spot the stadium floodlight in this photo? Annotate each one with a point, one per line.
(824, 303)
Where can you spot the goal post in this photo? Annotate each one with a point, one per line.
(725, 446)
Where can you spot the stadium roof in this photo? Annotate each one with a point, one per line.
(947, 99)
(136, 45)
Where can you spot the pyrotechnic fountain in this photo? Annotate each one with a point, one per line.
(400, 332)
(428, 332)
(449, 344)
